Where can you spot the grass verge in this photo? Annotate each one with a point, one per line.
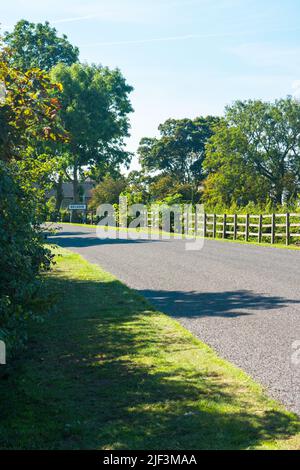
(106, 371)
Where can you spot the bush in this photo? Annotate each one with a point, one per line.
(52, 214)
(22, 256)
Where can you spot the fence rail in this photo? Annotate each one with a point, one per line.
(271, 228)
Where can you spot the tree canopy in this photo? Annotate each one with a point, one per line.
(38, 46)
(180, 150)
(95, 107)
(29, 110)
(256, 152)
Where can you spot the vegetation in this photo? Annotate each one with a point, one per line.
(28, 116)
(172, 391)
(129, 378)
(254, 154)
(38, 46)
(247, 161)
(108, 191)
(95, 107)
(58, 119)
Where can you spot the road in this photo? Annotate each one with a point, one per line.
(243, 300)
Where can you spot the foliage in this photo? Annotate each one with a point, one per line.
(137, 188)
(95, 107)
(28, 117)
(38, 46)
(231, 178)
(29, 111)
(21, 257)
(180, 150)
(108, 191)
(254, 155)
(166, 187)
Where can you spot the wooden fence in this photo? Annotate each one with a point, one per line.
(270, 228)
(264, 228)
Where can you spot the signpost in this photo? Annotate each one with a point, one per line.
(77, 207)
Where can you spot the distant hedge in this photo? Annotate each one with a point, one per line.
(22, 256)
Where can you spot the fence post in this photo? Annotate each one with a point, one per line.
(214, 226)
(235, 227)
(288, 235)
(260, 229)
(224, 225)
(273, 230)
(247, 228)
(204, 224)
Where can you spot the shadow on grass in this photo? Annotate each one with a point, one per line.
(214, 304)
(100, 375)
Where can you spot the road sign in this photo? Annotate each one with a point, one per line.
(79, 207)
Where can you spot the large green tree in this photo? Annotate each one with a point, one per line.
(108, 191)
(95, 107)
(180, 149)
(38, 46)
(260, 139)
(232, 179)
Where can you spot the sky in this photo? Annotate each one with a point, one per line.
(184, 58)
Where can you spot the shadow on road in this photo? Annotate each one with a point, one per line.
(214, 304)
(95, 394)
(76, 241)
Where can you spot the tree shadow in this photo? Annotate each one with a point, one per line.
(214, 304)
(71, 234)
(89, 381)
(76, 241)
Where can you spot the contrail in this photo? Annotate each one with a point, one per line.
(161, 39)
(187, 36)
(75, 18)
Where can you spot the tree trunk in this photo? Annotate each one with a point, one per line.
(59, 193)
(75, 185)
(74, 213)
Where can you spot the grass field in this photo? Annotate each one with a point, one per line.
(106, 371)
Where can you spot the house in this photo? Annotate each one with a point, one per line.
(85, 193)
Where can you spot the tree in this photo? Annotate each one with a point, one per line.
(180, 151)
(265, 138)
(29, 111)
(38, 46)
(108, 191)
(165, 186)
(137, 188)
(231, 180)
(95, 108)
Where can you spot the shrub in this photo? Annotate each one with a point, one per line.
(22, 256)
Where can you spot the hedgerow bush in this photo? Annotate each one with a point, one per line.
(22, 256)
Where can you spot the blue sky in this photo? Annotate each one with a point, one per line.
(184, 57)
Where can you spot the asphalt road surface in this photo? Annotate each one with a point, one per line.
(242, 300)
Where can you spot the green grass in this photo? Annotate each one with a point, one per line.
(106, 371)
(226, 240)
